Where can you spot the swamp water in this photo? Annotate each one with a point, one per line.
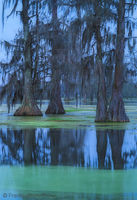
(78, 163)
(68, 157)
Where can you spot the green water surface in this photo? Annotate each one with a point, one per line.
(71, 180)
(67, 182)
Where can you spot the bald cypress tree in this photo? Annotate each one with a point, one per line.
(99, 13)
(101, 108)
(55, 104)
(116, 110)
(29, 106)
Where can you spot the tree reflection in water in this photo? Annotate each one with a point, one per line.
(103, 149)
(109, 148)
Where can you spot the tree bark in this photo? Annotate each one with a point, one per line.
(55, 105)
(29, 106)
(101, 109)
(116, 111)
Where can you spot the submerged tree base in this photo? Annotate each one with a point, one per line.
(99, 121)
(116, 111)
(55, 109)
(101, 115)
(27, 110)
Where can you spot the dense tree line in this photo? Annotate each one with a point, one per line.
(69, 49)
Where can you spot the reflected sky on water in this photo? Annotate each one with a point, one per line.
(60, 164)
(103, 149)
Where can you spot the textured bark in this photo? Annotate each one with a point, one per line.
(101, 109)
(55, 105)
(37, 42)
(116, 111)
(29, 106)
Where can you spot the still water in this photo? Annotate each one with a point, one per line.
(68, 164)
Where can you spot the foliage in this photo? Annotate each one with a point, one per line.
(76, 44)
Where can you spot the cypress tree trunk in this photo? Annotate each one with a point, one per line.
(101, 109)
(116, 111)
(55, 105)
(29, 106)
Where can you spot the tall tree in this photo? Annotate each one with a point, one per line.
(29, 106)
(116, 111)
(55, 105)
(95, 33)
(101, 109)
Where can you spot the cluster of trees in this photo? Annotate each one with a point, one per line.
(69, 49)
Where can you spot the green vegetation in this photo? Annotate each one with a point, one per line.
(82, 117)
